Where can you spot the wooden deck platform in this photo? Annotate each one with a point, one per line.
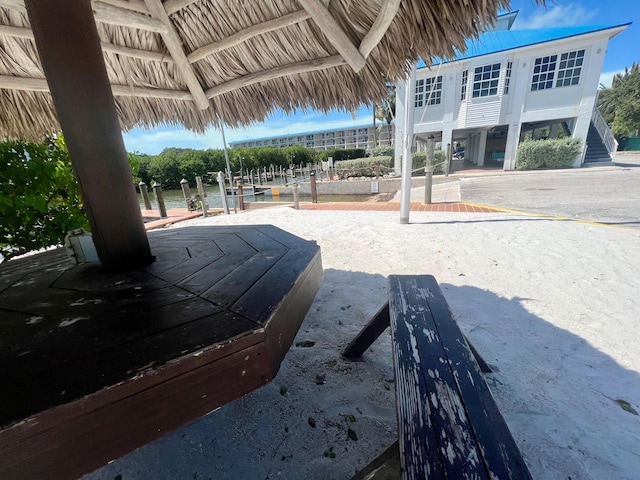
(95, 365)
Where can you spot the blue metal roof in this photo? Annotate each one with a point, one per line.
(500, 41)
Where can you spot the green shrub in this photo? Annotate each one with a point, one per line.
(39, 199)
(555, 153)
(363, 167)
(382, 151)
(420, 158)
(340, 154)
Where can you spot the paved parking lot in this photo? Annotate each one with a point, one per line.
(602, 194)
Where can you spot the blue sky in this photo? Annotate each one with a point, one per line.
(622, 52)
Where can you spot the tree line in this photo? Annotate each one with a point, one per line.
(620, 104)
(173, 164)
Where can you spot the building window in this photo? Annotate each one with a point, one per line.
(570, 68)
(428, 91)
(544, 70)
(565, 71)
(507, 78)
(485, 80)
(465, 80)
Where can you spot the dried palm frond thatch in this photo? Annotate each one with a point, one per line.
(198, 62)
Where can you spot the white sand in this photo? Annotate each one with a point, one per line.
(554, 305)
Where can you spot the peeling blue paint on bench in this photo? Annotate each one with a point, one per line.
(449, 425)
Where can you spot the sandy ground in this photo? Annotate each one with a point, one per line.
(552, 305)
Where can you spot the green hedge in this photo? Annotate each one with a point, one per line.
(555, 153)
(363, 167)
(420, 158)
(382, 151)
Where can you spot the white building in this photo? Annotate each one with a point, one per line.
(362, 136)
(510, 85)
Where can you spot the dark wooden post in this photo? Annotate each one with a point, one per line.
(240, 194)
(157, 190)
(186, 193)
(314, 189)
(428, 170)
(144, 191)
(203, 195)
(71, 57)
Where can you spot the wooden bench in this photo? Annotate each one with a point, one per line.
(449, 425)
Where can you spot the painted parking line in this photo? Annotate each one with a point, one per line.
(548, 216)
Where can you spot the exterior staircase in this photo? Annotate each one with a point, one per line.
(597, 152)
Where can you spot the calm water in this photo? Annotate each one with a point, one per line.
(175, 198)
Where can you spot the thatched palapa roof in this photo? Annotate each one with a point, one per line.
(193, 62)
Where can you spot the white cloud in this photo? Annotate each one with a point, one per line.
(566, 15)
(607, 77)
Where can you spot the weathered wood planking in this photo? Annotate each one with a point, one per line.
(116, 360)
(449, 425)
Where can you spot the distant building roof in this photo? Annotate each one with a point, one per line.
(500, 41)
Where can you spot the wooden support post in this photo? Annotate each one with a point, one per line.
(314, 190)
(186, 192)
(157, 190)
(223, 193)
(296, 196)
(428, 170)
(240, 195)
(144, 191)
(71, 57)
(203, 196)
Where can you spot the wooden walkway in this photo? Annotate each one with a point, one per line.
(174, 215)
(95, 365)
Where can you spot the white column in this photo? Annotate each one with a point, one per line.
(469, 152)
(407, 140)
(511, 148)
(447, 135)
(482, 146)
(401, 88)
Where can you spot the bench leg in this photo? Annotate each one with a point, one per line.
(369, 333)
(385, 467)
(379, 324)
(484, 366)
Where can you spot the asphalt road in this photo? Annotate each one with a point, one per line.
(601, 194)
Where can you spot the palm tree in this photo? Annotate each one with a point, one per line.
(386, 109)
(620, 104)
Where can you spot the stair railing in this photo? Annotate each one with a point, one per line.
(604, 131)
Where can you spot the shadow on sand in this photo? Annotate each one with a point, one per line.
(555, 390)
